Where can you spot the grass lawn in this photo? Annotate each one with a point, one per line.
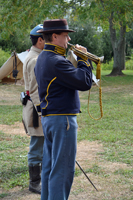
(115, 129)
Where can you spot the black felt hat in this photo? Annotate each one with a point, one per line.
(55, 25)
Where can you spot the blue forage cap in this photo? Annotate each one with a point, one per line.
(34, 31)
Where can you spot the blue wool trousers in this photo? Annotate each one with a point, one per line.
(59, 153)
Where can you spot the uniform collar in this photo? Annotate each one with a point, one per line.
(54, 48)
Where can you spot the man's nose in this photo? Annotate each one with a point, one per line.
(69, 38)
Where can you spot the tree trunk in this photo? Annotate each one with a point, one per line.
(118, 43)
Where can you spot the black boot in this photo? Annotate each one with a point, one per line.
(35, 179)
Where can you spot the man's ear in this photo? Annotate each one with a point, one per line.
(54, 36)
(39, 39)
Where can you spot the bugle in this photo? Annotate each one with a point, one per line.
(97, 60)
(89, 55)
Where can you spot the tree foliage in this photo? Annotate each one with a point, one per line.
(86, 35)
(115, 15)
(21, 15)
(129, 39)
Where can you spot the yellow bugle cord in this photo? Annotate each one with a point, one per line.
(98, 76)
(98, 61)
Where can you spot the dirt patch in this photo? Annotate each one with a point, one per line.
(87, 152)
(18, 193)
(10, 94)
(15, 129)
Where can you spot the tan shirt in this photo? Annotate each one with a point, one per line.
(29, 76)
(32, 87)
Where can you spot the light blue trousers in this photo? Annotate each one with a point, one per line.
(35, 153)
(59, 154)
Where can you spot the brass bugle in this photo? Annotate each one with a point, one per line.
(88, 55)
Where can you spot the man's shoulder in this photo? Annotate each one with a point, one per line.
(30, 60)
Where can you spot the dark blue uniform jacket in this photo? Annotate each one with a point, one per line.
(59, 81)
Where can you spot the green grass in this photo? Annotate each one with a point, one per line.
(115, 129)
(95, 169)
(13, 159)
(126, 173)
(10, 114)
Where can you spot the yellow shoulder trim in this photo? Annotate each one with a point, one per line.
(85, 62)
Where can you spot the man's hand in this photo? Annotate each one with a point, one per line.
(81, 48)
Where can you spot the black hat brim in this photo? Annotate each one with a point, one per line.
(55, 30)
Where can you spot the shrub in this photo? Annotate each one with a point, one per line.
(4, 56)
(109, 65)
(129, 64)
